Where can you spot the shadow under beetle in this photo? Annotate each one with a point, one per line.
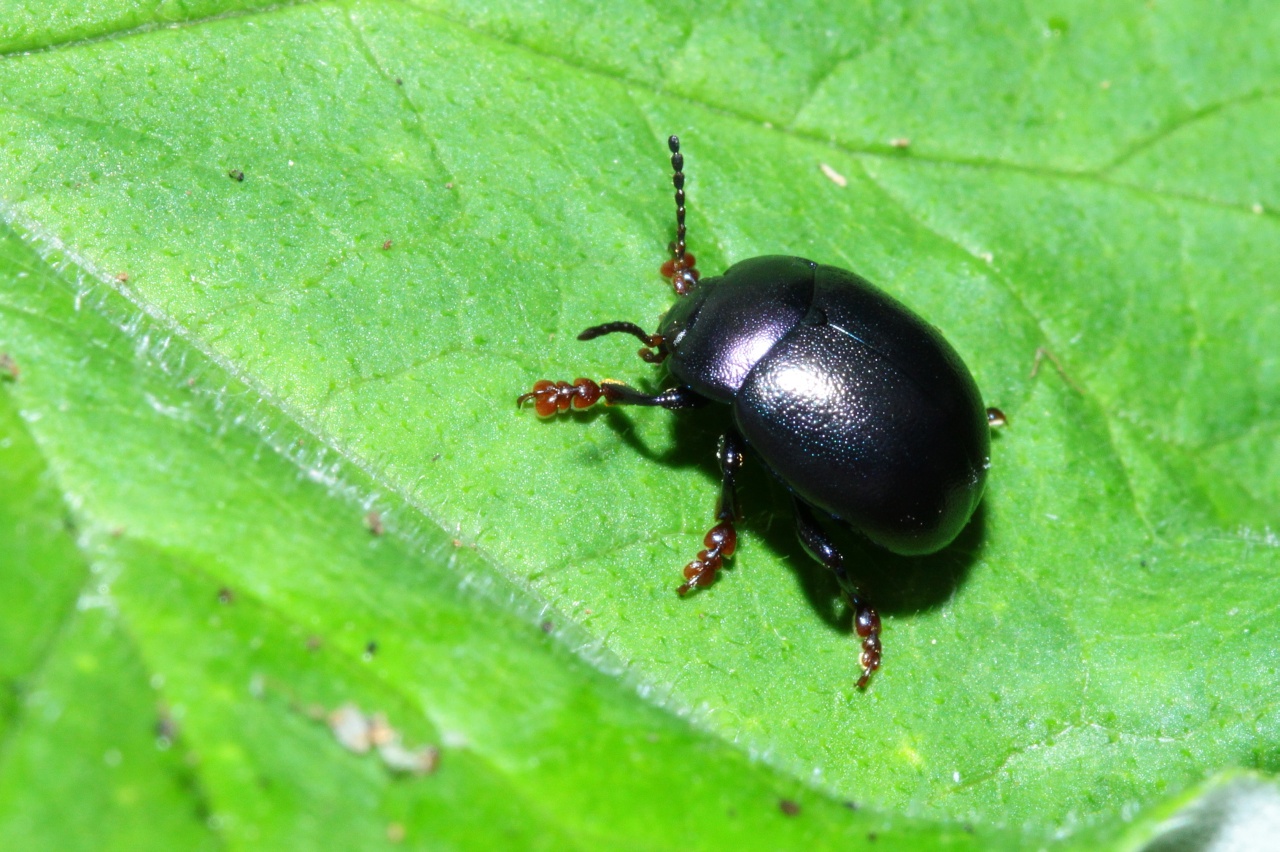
(860, 407)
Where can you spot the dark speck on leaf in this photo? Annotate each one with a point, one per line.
(788, 807)
(10, 366)
(547, 627)
(166, 729)
(851, 804)
(236, 175)
(370, 650)
(226, 596)
(386, 246)
(399, 82)
(373, 521)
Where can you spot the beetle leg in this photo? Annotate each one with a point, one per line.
(722, 539)
(865, 619)
(558, 397)
(651, 341)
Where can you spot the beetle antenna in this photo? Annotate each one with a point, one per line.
(680, 269)
(677, 166)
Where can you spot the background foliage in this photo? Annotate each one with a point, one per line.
(214, 381)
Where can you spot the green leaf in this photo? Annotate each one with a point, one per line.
(1235, 810)
(218, 379)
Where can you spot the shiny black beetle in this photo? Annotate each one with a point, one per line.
(859, 406)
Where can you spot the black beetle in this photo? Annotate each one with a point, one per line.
(859, 406)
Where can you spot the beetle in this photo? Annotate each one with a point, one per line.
(860, 407)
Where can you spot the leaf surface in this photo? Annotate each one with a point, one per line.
(221, 377)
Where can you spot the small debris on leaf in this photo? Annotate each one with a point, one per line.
(373, 521)
(1041, 354)
(166, 729)
(351, 728)
(361, 733)
(833, 175)
(899, 142)
(226, 596)
(788, 807)
(10, 366)
(236, 175)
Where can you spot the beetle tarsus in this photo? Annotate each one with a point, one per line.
(866, 623)
(719, 543)
(550, 398)
(721, 540)
(680, 271)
